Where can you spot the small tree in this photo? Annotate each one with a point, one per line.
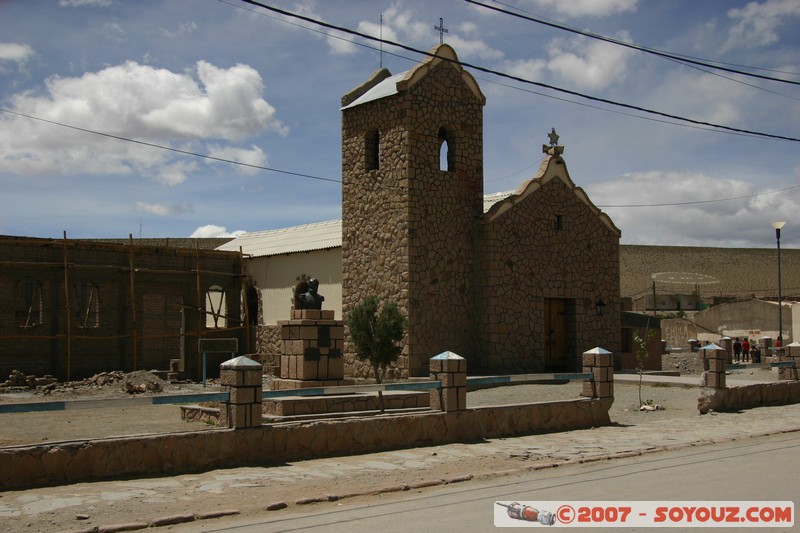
(642, 355)
(376, 335)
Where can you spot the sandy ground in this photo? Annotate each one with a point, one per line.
(79, 424)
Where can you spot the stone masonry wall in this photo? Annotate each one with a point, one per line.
(407, 228)
(71, 462)
(527, 259)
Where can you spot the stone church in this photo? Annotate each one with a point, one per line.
(526, 286)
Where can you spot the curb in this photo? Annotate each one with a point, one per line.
(280, 505)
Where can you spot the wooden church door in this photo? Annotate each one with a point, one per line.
(555, 328)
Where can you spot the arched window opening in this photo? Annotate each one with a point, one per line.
(30, 311)
(372, 150)
(216, 308)
(87, 305)
(445, 151)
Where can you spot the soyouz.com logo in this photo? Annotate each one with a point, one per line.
(682, 514)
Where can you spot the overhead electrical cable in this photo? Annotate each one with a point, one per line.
(695, 202)
(169, 148)
(686, 56)
(653, 51)
(517, 78)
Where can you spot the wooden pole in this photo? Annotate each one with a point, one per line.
(200, 304)
(245, 292)
(69, 310)
(133, 302)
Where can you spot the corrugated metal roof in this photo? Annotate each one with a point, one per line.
(490, 199)
(305, 238)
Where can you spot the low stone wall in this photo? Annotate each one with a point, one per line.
(71, 462)
(344, 403)
(748, 396)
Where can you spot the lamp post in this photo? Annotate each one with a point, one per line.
(778, 224)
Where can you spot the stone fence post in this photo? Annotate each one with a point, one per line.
(599, 362)
(451, 371)
(791, 353)
(241, 377)
(726, 343)
(714, 360)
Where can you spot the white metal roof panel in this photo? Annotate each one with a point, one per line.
(305, 238)
(387, 87)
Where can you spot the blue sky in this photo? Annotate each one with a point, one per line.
(232, 81)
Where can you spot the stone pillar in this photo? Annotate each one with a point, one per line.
(599, 362)
(790, 353)
(714, 360)
(765, 343)
(311, 357)
(451, 370)
(241, 377)
(726, 343)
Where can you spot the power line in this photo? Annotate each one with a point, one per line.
(653, 51)
(716, 200)
(517, 78)
(169, 148)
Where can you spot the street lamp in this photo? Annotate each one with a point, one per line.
(778, 224)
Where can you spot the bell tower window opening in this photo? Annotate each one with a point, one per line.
(446, 156)
(372, 150)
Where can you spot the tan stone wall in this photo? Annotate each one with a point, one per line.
(749, 396)
(407, 228)
(526, 260)
(71, 462)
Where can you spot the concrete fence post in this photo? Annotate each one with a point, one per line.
(241, 377)
(714, 360)
(451, 371)
(726, 343)
(599, 362)
(791, 353)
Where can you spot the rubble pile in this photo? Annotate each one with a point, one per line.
(142, 381)
(17, 380)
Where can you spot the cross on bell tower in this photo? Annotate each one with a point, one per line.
(442, 30)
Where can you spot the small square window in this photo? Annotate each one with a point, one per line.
(559, 222)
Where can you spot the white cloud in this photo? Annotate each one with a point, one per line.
(253, 156)
(79, 3)
(16, 52)
(163, 209)
(589, 63)
(578, 8)
(758, 23)
(530, 69)
(702, 97)
(210, 231)
(698, 219)
(137, 102)
(183, 29)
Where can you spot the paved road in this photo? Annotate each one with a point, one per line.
(762, 469)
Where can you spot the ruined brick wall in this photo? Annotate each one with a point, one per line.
(408, 227)
(548, 244)
(93, 327)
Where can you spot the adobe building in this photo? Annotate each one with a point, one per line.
(522, 287)
(75, 308)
